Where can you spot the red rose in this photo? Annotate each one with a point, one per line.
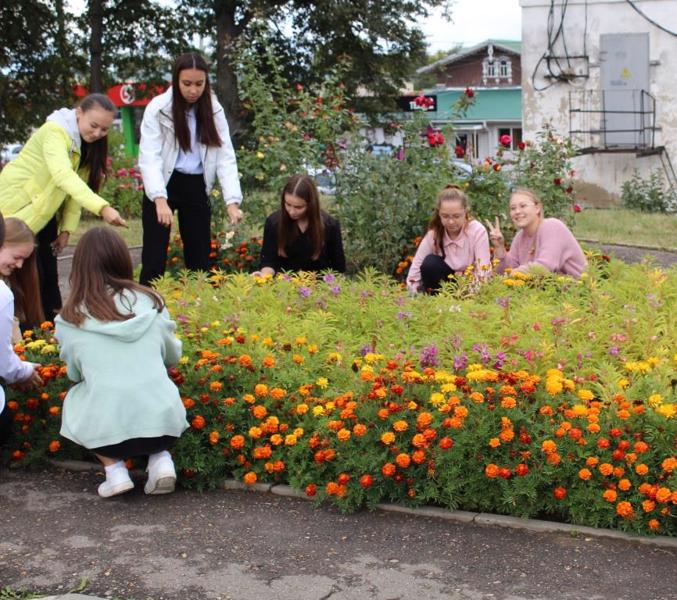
(505, 140)
(578, 208)
(420, 100)
(557, 181)
(469, 92)
(459, 151)
(299, 87)
(521, 145)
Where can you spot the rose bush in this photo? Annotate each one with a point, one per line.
(533, 396)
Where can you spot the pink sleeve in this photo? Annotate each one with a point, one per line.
(511, 260)
(557, 250)
(424, 248)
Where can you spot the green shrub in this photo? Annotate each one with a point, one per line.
(649, 194)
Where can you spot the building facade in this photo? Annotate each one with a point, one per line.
(603, 73)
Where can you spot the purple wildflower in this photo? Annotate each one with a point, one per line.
(460, 361)
(304, 292)
(328, 278)
(428, 357)
(500, 360)
(336, 290)
(366, 349)
(403, 315)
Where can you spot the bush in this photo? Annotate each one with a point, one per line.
(649, 195)
(535, 396)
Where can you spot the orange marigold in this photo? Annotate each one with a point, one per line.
(624, 509)
(610, 495)
(654, 524)
(388, 469)
(343, 435)
(388, 438)
(663, 495)
(400, 426)
(359, 429)
(403, 460)
(624, 485)
(548, 446)
(584, 474)
(641, 469)
(259, 411)
(606, 469)
(237, 442)
(250, 478)
(491, 470)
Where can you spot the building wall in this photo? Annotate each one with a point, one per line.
(468, 71)
(605, 173)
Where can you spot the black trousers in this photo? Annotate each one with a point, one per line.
(136, 447)
(5, 425)
(47, 270)
(187, 195)
(433, 272)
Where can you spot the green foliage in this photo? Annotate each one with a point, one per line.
(295, 128)
(544, 166)
(649, 194)
(123, 187)
(360, 394)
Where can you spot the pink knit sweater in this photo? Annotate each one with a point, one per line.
(553, 247)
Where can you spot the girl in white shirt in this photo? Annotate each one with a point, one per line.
(185, 145)
(12, 368)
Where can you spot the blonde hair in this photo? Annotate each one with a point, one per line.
(529, 194)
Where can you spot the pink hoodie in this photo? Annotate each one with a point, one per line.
(553, 247)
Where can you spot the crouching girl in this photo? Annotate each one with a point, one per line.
(117, 340)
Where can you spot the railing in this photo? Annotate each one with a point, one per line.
(612, 120)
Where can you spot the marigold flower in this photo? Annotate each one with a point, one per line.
(250, 478)
(494, 443)
(366, 481)
(654, 524)
(584, 474)
(387, 438)
(610, 495)
(261, 389)
(400, 426)
(508, 402)
(663, 495)
(198, 422)
(403, 460)
(213, 437)
(548, 446)
(259, 411)
(290, 440)
(419, 441)
(669, 464)
(560, 493)
(624, 509)
(648, 505)
(343, 435)
(268, 362)
(311, 490)
(606, 469)
(54, 446)
(624, 485)
(446, 443)
(388, 469)
(237, 442)
(507, 435)
(491, 470)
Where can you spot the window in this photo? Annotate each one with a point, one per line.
(491, 70)
(504, 69)
(496, 70)
(515, 134)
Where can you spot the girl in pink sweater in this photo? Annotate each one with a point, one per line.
(544, 242)
(454, 241)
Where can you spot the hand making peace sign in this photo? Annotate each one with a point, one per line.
(495, 233)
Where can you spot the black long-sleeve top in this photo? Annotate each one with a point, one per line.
(300, 251)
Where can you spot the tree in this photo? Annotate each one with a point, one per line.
(380, 38)
(36, 63)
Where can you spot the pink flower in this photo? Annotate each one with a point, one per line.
(578, 208)
(505, 140)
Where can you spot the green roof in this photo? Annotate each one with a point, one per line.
(489, 105)
(515, 45)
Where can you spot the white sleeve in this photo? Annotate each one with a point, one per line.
(12, 368)
(150, 154)
(226, 163)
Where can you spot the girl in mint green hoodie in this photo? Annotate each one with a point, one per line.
(117, 340)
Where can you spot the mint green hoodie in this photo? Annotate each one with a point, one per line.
(122, 389)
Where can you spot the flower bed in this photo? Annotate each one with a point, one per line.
(530, 396)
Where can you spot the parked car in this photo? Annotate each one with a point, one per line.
(9, 152)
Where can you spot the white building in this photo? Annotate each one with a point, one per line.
(603, 72)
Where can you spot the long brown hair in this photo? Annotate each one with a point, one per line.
(102, 268)
(451, 192)
(302, 187)
(24, 282)
(94, 155)
(204, 112)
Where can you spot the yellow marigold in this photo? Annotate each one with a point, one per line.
(334, 357)
(666, 410)
(343, 434)
(580, 410)
(312, 348)
(655, 400)
(249, 398)
(400, 426)
(318, 410)
(261, 389)
(448, 388)
(276, 439)
(301, 340)
(255, 432)
(436, 398)
(388, 438)
(476, 397)
(298, 359)
(322, 382)
(267, 341)
(290, 440)
(301, 409)
(214, 437)
(553, 386)
(371, 358)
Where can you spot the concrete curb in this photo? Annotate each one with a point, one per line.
(70, 597)
(459, 516)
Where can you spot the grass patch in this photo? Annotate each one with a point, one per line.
(132, 234)
(623, 226)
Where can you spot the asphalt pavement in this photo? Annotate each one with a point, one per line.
(57, 535)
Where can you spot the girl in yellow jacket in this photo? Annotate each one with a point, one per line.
(56, 174)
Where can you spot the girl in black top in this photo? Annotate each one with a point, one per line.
(301, 236)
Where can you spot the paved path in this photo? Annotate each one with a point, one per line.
(55, 533)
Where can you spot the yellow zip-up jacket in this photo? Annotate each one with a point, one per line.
(43, 180)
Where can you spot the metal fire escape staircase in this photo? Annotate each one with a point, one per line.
(605, 121)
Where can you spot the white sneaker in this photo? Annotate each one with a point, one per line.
(161, 477)
(117, 482)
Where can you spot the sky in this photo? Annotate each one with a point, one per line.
(474, 21)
